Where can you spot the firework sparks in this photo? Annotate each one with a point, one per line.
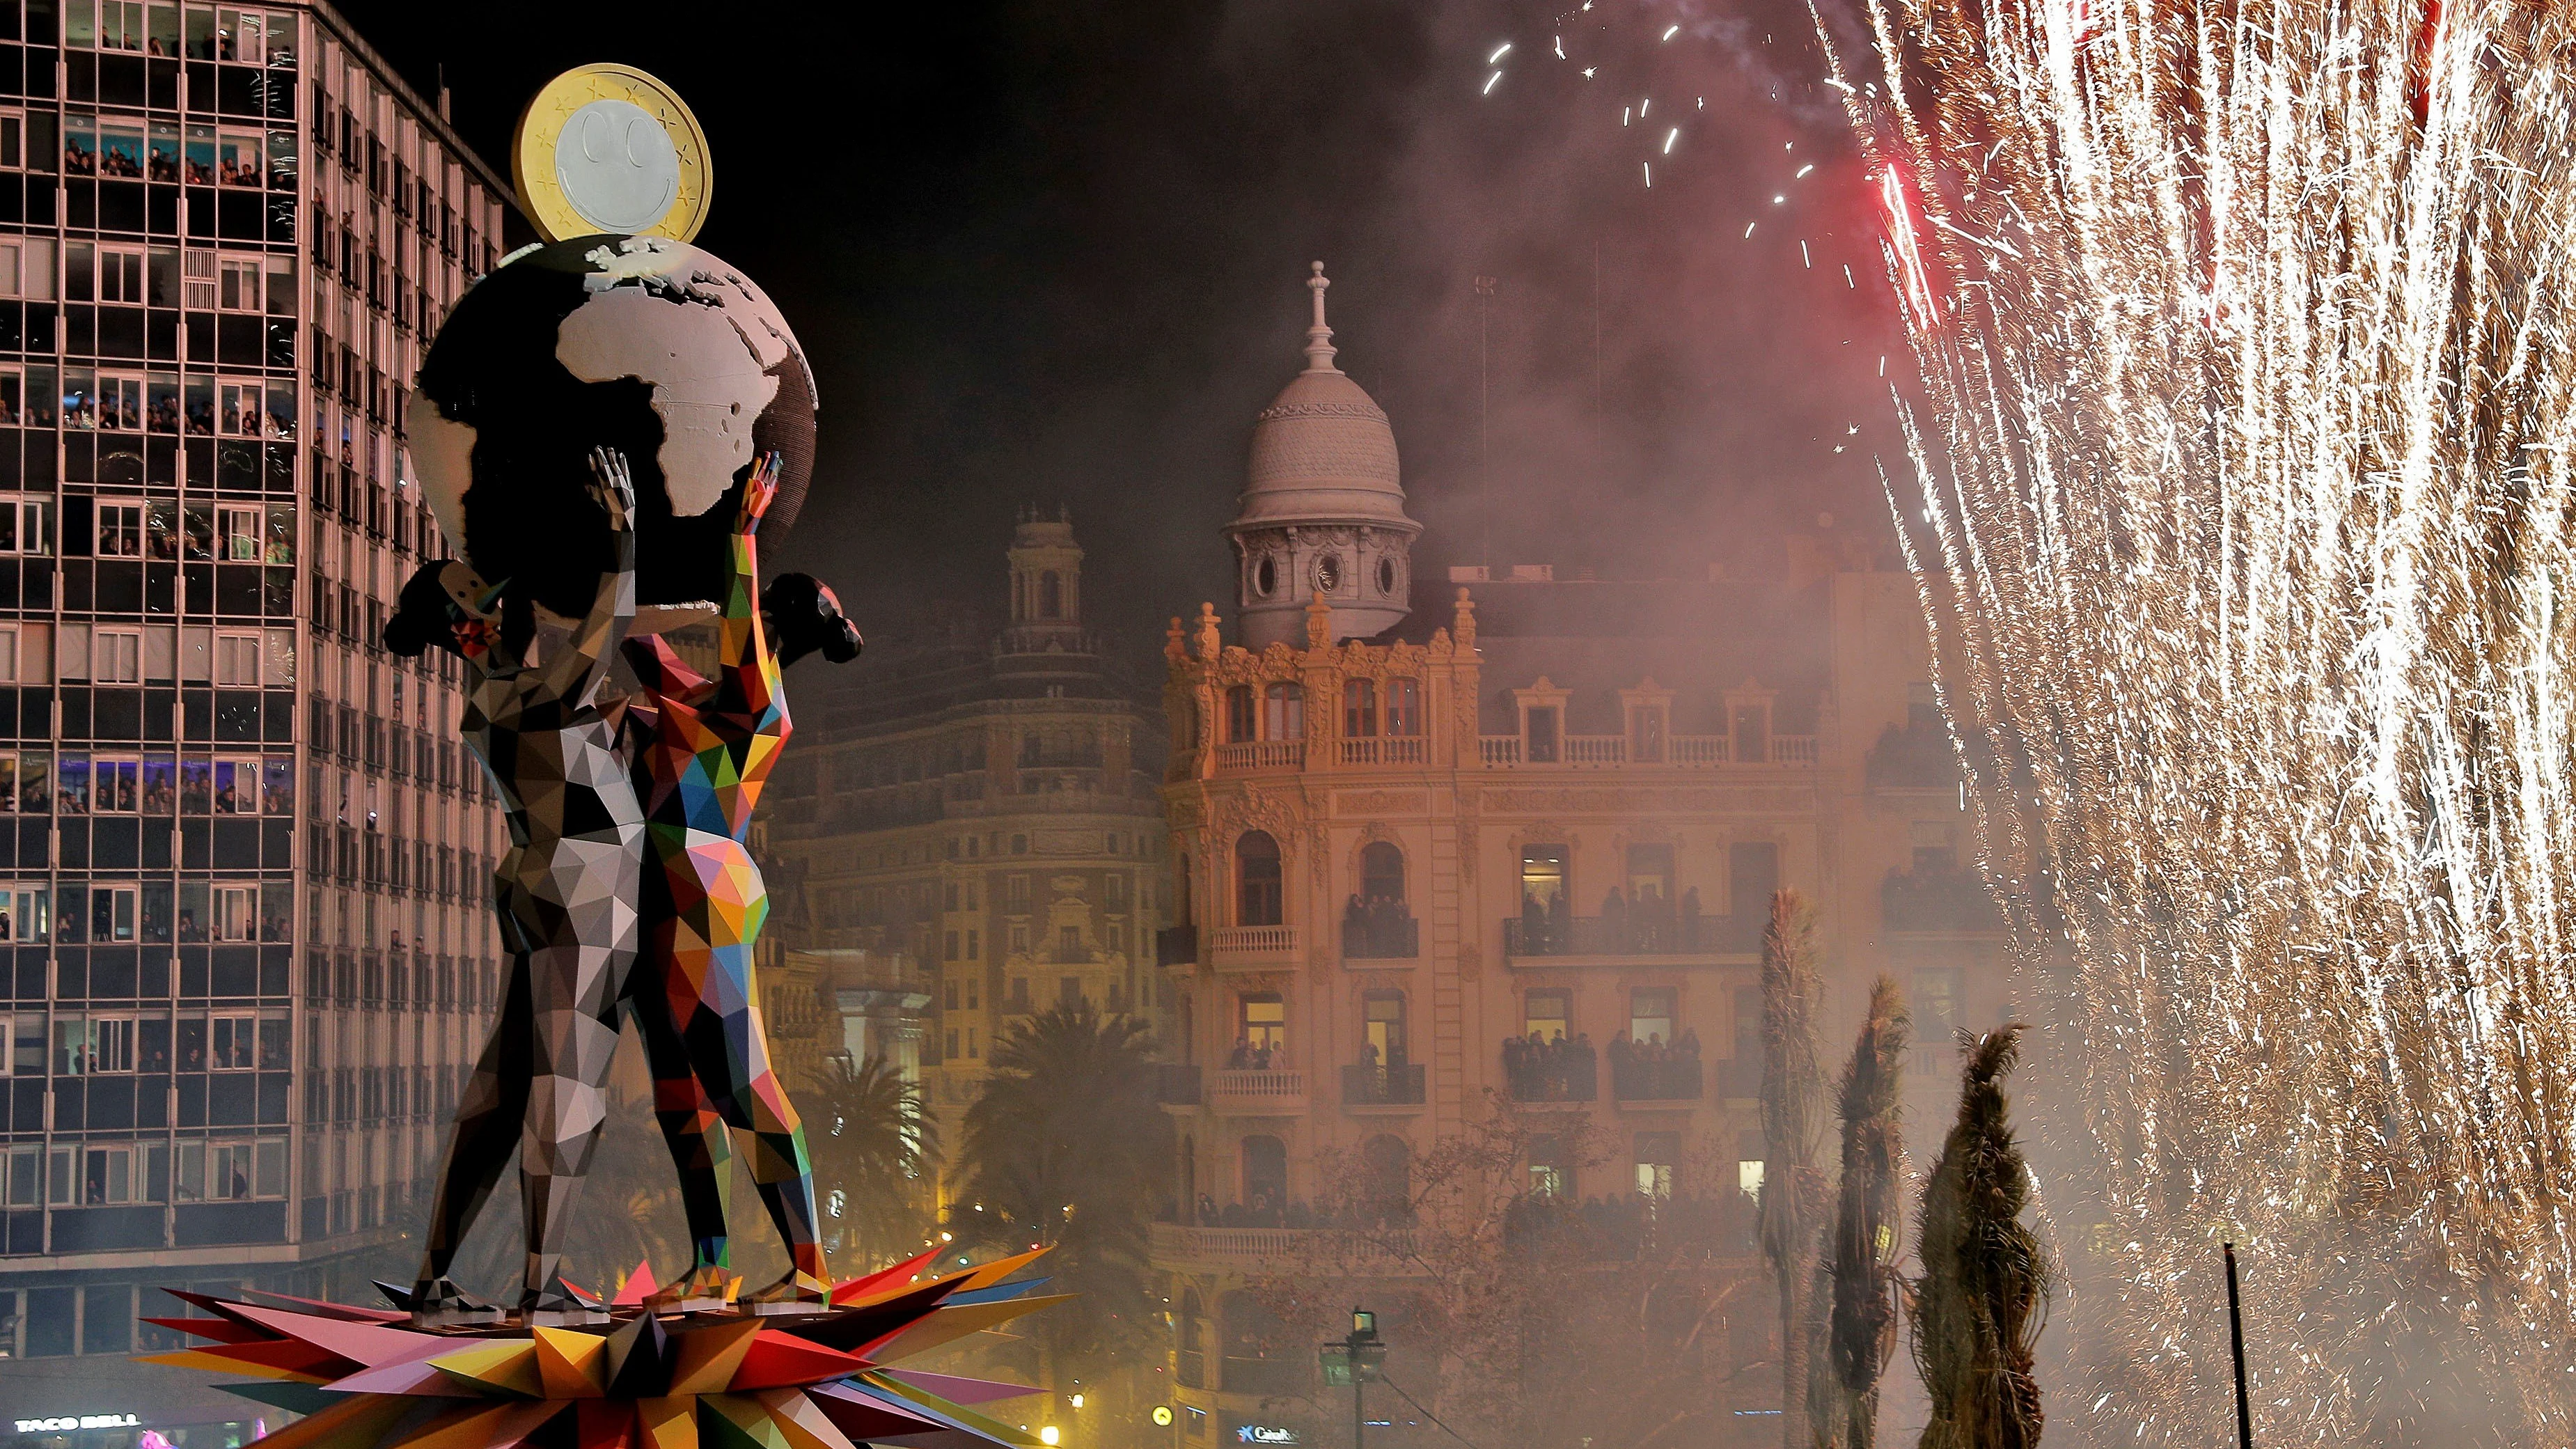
(2248, 539)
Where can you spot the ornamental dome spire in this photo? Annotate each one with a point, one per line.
(1321, 516)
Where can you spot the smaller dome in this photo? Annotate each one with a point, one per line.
(1322, 452)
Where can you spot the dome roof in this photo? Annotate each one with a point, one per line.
(1322, 452)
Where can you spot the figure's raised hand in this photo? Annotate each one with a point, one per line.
(613, 487)
(758, 492)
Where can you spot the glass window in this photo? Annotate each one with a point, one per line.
(116, 656)
(161, 151)
(13, 140)
(237, 787)
(1650, 1016)
(1542, 875)
(1650, 876)
(237, 408)
(26, 524)
(112, 913)
(237, 159)
(240, 535)
(1404, 706)
(161, 402)
(1240, 723)
(1283, 712)
(197, 152)
(1539, 726)
(1382, 1028)
(120, 150)
(1658, 1154)
(120, 401)
(1545, 1014)
(80, 140)
(237, 288)
(116, 782)
(1359, 708)
(1265, 1024)
(1381, 872)
(1259, 901)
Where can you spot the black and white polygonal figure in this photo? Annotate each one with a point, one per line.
(644, 345)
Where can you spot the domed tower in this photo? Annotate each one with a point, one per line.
(1322, 512)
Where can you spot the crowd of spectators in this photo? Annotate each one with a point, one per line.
(1248, 1056)
(1550, 1067)
(1653, 1069)
(1652, 924)
(1379, 927)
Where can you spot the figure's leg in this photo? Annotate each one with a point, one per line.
(587, 916)
(727, 1042)
(488, 1116)
(701, 1146)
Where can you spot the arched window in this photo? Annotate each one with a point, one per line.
(1283, 712)
(1359, 709)
(1192, 1368)
(1259, 1355)
(1241, 722)
(1403, 706)
(1381, 872)
(1257, 899)
(1050, 596)
(1386, 1178)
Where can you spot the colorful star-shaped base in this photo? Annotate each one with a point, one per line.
(669, 1377)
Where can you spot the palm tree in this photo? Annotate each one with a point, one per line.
(1978, 1309)
(1863, 1244)
(1065, 1149)
(1793, 1189)
(874, 1150)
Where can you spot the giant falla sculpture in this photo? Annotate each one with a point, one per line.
(604, 426)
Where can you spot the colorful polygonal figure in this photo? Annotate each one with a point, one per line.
(701, 750)
(566, 891)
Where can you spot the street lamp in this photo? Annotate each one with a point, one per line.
(1357, 1360)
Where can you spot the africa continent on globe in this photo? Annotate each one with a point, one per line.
(642, 344)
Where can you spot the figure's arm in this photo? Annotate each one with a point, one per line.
(747, 677)
(574, 676)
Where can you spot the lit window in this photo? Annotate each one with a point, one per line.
(237, 533)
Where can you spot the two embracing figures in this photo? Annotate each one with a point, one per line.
(628, 889)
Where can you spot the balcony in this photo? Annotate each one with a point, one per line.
(1381, 938)
(1670, 1080)
(1556, 1071)
(1600, 752)
(1174, 1248)
(1262, 755)
(1639, 933)
(1176, 946)
(1395, 1084)
(1252, 948)
(1384, 750)
(1933, 897)
(1176, 1084)
(1250, 1093)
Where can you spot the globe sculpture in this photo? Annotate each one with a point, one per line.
(645, 345)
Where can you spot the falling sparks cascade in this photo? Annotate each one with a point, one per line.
(2246, 529)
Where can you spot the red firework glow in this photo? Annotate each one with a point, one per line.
(1907, 250)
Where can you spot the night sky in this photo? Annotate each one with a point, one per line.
(1053, 254)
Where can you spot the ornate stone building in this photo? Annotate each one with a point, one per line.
(1512, 847)
(972, 827)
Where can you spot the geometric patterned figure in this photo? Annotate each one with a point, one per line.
(419, 1380)
(355, 1422)
(987, 1274)
(364, 1343)
(566, 895)
(294, 1398)
(866, 1322)
(776, 1361)
(701, 752)
(571, 1365)
(708, 1356)
(506, 1365)
(865, 1416)
(999, 1293)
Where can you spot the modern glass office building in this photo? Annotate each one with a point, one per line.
(242, 860)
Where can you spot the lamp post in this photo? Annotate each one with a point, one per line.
(1357, 1360)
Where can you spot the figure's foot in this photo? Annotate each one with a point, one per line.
(438, 1302)
(798, 1292)
(559, 1305)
